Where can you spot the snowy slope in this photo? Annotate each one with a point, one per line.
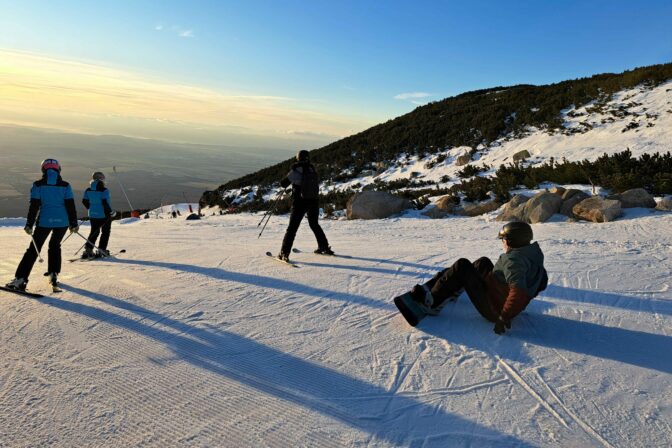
(639, 119)
(195, 338)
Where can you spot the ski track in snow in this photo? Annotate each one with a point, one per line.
(194, 338)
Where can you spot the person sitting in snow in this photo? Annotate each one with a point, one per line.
(97, 202)
(52, 206)
(305, 193)
(500, 291)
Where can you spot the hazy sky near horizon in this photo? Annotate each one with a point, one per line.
(286, 73)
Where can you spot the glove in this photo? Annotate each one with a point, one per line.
(28, 230)
(113, 213)
(74, 229)
(502, 325)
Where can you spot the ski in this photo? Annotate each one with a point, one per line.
(294, 265)
(22, 293)
(112, 255)
(299, 251)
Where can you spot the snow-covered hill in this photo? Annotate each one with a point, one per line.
(639, 119)
(194, 338)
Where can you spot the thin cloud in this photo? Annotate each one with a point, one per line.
(158, 28)
(186, 33)
(412, 96)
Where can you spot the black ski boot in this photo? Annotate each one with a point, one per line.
(88, 253)
(283, 257)
(324, 251)
(18, 284)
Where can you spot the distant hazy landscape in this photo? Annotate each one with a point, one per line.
(151, 171)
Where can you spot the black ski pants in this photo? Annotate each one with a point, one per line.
(300, 208)
(40, 235)
(96, 225)
(471, 277)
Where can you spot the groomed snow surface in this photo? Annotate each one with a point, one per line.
(194, 337)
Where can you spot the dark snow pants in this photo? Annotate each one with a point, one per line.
(467, 275)
(96, 225)
(40, 235)
(300, 208)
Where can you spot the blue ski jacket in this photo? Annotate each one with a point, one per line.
(52, 203)
(97, 200)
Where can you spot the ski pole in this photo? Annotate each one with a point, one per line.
(116, 175)
(269, 210)
(66, 238)
(277, 202)
(39, 257)
(87, 241)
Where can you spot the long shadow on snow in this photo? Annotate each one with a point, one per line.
(649, 305)
(461, 324)
(264, 282)
(363, 268)
(395, 418)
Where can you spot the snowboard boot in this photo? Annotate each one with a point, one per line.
(18, 283)
(324, 251)
(88, 253)
(423, 296)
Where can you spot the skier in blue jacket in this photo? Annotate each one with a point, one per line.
(97, 201)
(52, 206)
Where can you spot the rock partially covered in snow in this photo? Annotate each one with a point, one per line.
(636, 197)
(665, 204)
(570, 198)
(447, 203)
(597, 209)
(521, 156)
(541, 207)
(513, 209)
(480, 208)
(376, 205)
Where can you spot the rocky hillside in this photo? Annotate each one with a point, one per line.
(459, 145)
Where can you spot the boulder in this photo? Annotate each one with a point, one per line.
(597, 209)
(375, 205)
(434, 212)
(480, 208)
(192, 217)
(665, 204)
(447, 203)
(557, 190)
(521, 156)
(637, 197)
(463, 160)
(541, 207)
(570, 201)
(568, 194)
(513, 208)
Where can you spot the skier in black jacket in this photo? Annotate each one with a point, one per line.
(305, 193)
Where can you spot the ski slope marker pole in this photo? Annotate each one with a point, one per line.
(116, 175)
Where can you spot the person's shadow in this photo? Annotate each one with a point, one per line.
(460, 323)
(387, 416)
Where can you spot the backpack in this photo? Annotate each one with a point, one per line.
(310, 184)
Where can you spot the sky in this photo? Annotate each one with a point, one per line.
(295, 73)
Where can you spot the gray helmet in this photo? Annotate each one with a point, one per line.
(516, 234)
(302, 156)
(98, 176)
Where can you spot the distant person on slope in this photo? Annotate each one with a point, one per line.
(97, 202)
(498, 292)
(305, 193)
(52, 205)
